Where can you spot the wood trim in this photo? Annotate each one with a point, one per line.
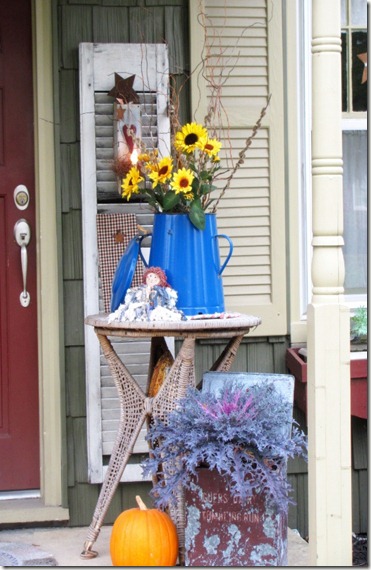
(47, 260)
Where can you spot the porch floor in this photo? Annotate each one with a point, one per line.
(62, 547)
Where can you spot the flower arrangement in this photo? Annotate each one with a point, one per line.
(183, 181)
(181, 184)
(242, 433)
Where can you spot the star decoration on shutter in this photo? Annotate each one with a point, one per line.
(363, 58)
(119, 236)
(123, 90)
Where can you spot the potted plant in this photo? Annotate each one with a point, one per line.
(358, 330)
(242, 437)
(180, 187)
(296, 360)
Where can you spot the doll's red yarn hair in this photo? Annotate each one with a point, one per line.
(160, 274)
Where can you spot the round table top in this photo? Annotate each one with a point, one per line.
(230, 324)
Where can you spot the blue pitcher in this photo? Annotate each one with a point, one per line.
(190, 259)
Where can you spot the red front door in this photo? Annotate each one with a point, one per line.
(19, 413)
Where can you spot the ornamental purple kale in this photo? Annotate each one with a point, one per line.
(246, 434)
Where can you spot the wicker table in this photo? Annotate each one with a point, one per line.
(136, 406)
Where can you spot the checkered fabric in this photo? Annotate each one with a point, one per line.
(114, 233)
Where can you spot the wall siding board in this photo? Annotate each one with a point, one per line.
(80, 451)
(360, 443)
(82, 499)
(70, 183)
(68, 113)
(72, 251)
(70, 453)
(146, 26)
(74, 369)
(362, 501)
(76, 27)
(73, 313)
(175, 30)
(111, 25)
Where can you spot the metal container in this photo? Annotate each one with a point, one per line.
(190, 258)
(221, 532)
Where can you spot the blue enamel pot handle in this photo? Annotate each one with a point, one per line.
(217, 236)
(229, 254)
(140, 249)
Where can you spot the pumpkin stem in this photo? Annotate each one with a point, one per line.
(140, 503)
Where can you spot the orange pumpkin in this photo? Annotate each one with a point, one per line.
(143, 537)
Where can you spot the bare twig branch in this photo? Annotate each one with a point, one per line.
(242, 154)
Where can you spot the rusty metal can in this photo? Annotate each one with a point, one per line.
(220, 531)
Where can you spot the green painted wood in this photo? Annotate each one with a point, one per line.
(74, 369)
(176, 32)
(82, 499)
(363, 501)
(69, 117)
(70, 452)
(111, 25)
(76, 26)
(70, 177)
(359, 443)
(73, 313)
(80, 450)
(72, 249)
(298, 513)
(180, 96)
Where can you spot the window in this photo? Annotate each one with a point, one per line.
(354, 105)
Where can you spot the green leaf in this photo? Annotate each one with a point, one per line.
(205, 175)
(171, 199)
(197, 215)
(205, 189)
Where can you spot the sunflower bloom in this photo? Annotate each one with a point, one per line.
(162, 172)
(182, 181)
(131, 183)
(189, 196)
(212, 147)
(190, 137)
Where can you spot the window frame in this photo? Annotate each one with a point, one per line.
(354, 120)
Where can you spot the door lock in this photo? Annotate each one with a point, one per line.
(21, 197)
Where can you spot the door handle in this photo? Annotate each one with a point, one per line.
(22, 234)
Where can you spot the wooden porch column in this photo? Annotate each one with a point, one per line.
(330, 507)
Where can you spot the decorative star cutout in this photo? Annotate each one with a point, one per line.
(123, 90)
(119, 237)
(363, 58)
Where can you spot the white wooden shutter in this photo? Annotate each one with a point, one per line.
(98, 64)
(245, 46)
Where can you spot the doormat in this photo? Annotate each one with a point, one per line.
(21, 554)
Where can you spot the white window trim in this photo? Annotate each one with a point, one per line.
(349, 123)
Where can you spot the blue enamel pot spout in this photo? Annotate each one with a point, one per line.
(190, 258)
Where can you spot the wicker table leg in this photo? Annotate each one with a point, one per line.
(132, 400)
(226, 358)
(179, 378)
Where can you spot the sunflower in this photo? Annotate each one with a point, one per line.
(182, 181)
(212, 147)
(190, 137)
(162, 172)
(131, 183)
